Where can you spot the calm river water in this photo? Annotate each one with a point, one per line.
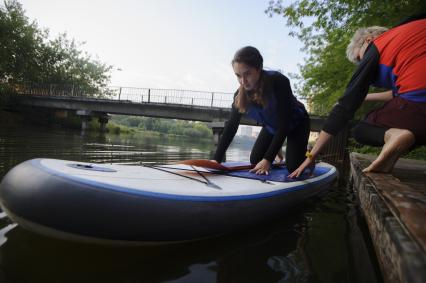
(322, 241)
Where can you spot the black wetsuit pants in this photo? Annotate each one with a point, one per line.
(297, 142)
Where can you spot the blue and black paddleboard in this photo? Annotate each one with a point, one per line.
(148, 204)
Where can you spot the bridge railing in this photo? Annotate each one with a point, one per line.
(54, 90)
(135, 95)
(173, 96)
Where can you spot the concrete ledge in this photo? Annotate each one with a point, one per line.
(392, 220)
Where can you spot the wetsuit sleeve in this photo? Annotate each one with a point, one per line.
(355, 92)
(229, 132)
(285, 100)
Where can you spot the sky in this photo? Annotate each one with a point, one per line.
(185, 44)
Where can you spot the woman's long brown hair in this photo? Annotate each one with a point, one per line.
(251, 57)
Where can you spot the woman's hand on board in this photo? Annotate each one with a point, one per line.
(262, 167)
(308, 163)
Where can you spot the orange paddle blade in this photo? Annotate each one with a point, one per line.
(205, 164)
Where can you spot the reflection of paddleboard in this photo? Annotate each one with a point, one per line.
(101, 202)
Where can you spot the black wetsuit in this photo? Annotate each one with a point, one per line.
(283, 117)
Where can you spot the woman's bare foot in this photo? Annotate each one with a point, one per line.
(397, 142)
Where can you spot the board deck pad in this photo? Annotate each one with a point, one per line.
(276, 174)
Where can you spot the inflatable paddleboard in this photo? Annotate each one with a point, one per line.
(152, 204)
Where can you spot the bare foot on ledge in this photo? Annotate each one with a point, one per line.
(397, 142)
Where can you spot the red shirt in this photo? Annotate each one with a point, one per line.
(402, 63)
(395, 60)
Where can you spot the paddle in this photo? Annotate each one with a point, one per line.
(205, 163)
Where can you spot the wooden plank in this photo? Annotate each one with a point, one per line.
(407, 204)
(406, 200)
(394, 212)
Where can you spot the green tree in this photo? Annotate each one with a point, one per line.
(132, 121)
(325, 27)
(204, 131)
(19, 42)
(149, 124)
(166, 126)
(28, 55)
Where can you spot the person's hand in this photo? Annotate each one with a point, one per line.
(212, 160)
(262, 167)
(307, 163)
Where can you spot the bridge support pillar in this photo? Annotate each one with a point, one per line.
(103, 120)
(217, 128)
(61, 114)
(85, 122)
(86, 116)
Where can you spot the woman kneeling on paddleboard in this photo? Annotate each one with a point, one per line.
(266, 97)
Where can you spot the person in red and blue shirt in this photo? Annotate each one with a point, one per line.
(393, 59)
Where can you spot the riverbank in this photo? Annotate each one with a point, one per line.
(67, 120)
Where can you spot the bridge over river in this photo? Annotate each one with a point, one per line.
(211, 107)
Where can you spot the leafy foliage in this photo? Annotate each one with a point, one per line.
(28, 55)
(325, 27)
(165, 126)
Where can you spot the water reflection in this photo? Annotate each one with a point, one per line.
(22, 144)
(291, 266)
(309, 244)
(199, 273)
(239, 257)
